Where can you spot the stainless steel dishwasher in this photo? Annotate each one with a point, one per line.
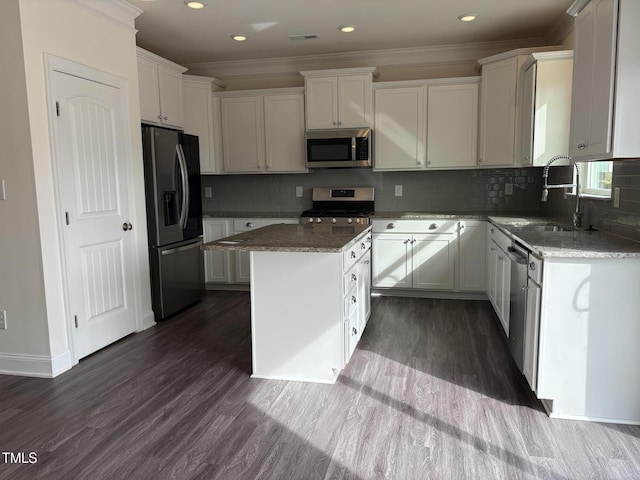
(519, 258)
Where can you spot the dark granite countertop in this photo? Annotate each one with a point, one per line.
(291, 238)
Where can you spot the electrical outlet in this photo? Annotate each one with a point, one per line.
(398, 190)
(3, 319)
(616, 197)
(299, 191)
(208, 193)
(508, 188)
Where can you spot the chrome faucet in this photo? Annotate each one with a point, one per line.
(577, 215)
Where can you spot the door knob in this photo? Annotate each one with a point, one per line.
(126, 226)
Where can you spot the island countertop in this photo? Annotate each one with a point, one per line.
(291, 238)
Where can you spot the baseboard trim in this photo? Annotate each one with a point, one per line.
(26, 365)
(399, 292)
(61, 363)
(235, 287)
(148, 320)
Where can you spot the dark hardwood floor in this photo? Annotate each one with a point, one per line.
(431, 393)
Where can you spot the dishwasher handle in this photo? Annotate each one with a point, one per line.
(517, 255)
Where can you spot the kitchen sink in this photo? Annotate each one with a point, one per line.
(546, 228)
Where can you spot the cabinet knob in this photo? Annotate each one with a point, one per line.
(249, 224)
(166, 118)
(391, 226)
(354, 300)
(354, 278)
(526, 158)
(582, 146)
(532, 266)
(429, 162)
(339, 123)
(433, 226)
(363, 246)
(354, 331)
(335, 123)
(479, 160)
(492, 249)
(353, 255)
(491, 230)
(159, 117)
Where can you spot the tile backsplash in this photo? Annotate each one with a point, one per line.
(486, 190)
(623, 220)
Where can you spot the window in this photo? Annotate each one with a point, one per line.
(595, 178)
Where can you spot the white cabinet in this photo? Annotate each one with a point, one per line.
(499, 274)
(202, 118)
(413, 257)
(160, 87)
(263, 132)
(426, 124)
(606, 93)
(545, 101)
(452, 125)
(217, 262)
(357, 292)
(532, 322)
(338, 98)
(400, 128)
(472, 241)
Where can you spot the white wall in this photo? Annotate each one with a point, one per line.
(21, 281)
(65, 29)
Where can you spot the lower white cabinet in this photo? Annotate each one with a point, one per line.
(531, 333)
(217, 265)
(472, 241)
(499, 274)
(412, 258)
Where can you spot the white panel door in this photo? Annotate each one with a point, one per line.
(399, 129)
(243, 133)
(284, 133)
(391, 260)
(433, 262)
(354, 101)
(93, 194)
(452, 125)
(321, 95)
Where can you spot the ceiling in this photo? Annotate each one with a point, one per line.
(170, 29)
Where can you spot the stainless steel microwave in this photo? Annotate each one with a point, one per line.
(339, 148)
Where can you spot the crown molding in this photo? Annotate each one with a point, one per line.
(118, 12)
(576, 7)
(560, 30)
(141, 52)
(449, 54)
(515, 53)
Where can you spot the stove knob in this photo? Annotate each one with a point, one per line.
(310, 220)
(318, 220)
(333, 220)
(349, 221)
(357, 220)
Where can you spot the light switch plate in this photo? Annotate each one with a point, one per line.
(299, 191)
(208, 193)
(3, 319)
(616, 197)
(398, 190)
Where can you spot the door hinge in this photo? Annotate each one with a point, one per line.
(66, 217)
(57, 109)
(75, 319)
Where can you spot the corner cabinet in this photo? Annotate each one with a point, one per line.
(431, 124)
(606, 90)
(160, 87)
(202, 118)
(339, 98)
(545, 101)
(263, 131)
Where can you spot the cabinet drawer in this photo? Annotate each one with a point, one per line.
(246, 224)
(415, 226)
(350, 280)
(360, 246)
(499, 237)
(535, 269)
(351, 302)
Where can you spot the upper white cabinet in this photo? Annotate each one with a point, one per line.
(545, 101)
(400, 128)
(263, 131)
(160, 86)
(427, 124)
(202, 118)
(339, 98)
(452, 125)
(606, 90)
(500, 116)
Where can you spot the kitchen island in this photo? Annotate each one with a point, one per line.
(310, 297)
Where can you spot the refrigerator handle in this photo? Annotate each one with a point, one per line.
(184, 212)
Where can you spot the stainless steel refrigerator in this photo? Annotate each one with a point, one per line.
(174, 218)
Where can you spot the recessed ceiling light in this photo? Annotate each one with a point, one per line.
(239, 37)
(467, 17)
(195, 5)
(347, 28)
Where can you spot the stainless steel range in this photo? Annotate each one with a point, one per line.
(340, 206)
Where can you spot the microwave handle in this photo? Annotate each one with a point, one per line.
(353, 148)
